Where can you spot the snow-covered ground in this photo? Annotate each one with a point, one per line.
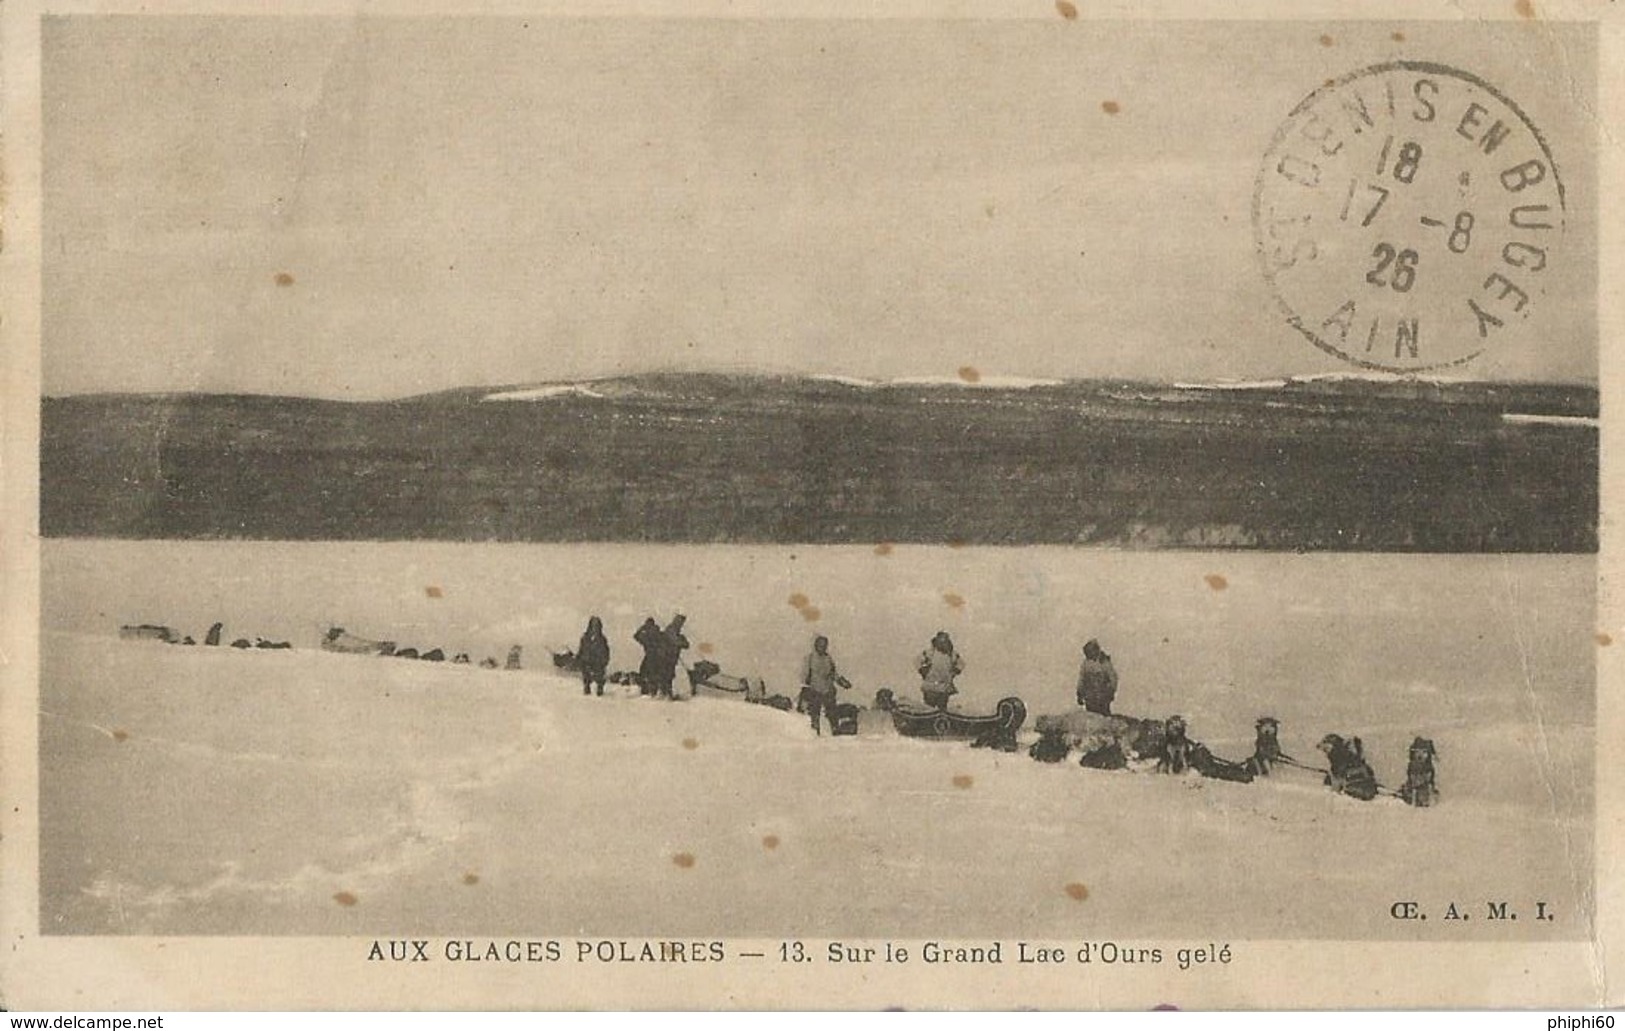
(198, 790)
(1553, 420)
(544, 392)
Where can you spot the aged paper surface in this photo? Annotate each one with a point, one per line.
(1086, 507)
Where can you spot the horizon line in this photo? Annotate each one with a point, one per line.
(975, 381)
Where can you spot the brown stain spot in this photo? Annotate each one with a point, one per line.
(434, 592)
(121, 736)
(883, 549)
(811, 614)
(1077, 892)
(684, 860)
(283, 279)
(344, 898)
(471, 879)
(1066, 9)
(690, 744)
(1397, 37)
(798, 600)
(957, 542)
(963, 780)
(1111, 107)
(970, 374)
(954, 601)
(1605, 639)
(1329, 83)
(1327, 41)
(706, 648)
(1217, 582)
(1525, 8)
(770, 842)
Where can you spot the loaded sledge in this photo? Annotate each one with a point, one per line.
(995, 730)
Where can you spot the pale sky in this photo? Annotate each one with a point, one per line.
(360, 207)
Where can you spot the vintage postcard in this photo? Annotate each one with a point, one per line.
(743, 505)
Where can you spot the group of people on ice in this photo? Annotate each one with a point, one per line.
(662, 655)
(663, 649)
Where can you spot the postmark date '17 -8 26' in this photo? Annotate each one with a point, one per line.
(1407, 217)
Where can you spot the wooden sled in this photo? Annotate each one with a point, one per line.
(913, 720)
(337, 639)
(708, 681)
(148, 632)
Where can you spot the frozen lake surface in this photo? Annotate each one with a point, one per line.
(194, 790)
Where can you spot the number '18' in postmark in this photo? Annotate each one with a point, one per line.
(1406, 217)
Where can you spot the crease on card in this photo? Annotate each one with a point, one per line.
(343, 51)
(1572, 90)
(1581, 890)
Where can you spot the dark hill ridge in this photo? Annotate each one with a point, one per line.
(1532, 398)
(1332, 463)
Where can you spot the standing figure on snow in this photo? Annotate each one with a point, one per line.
(938, 665)
(672, 645)
(592, 654)
(1097, 680)
(651, 639)
(1350, 774)
(819, 679)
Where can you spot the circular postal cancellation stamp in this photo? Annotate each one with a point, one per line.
(1405, 217)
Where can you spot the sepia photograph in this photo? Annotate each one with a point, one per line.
(810, 496)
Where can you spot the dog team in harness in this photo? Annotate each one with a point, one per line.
(1114, 742)
(1125, 742)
